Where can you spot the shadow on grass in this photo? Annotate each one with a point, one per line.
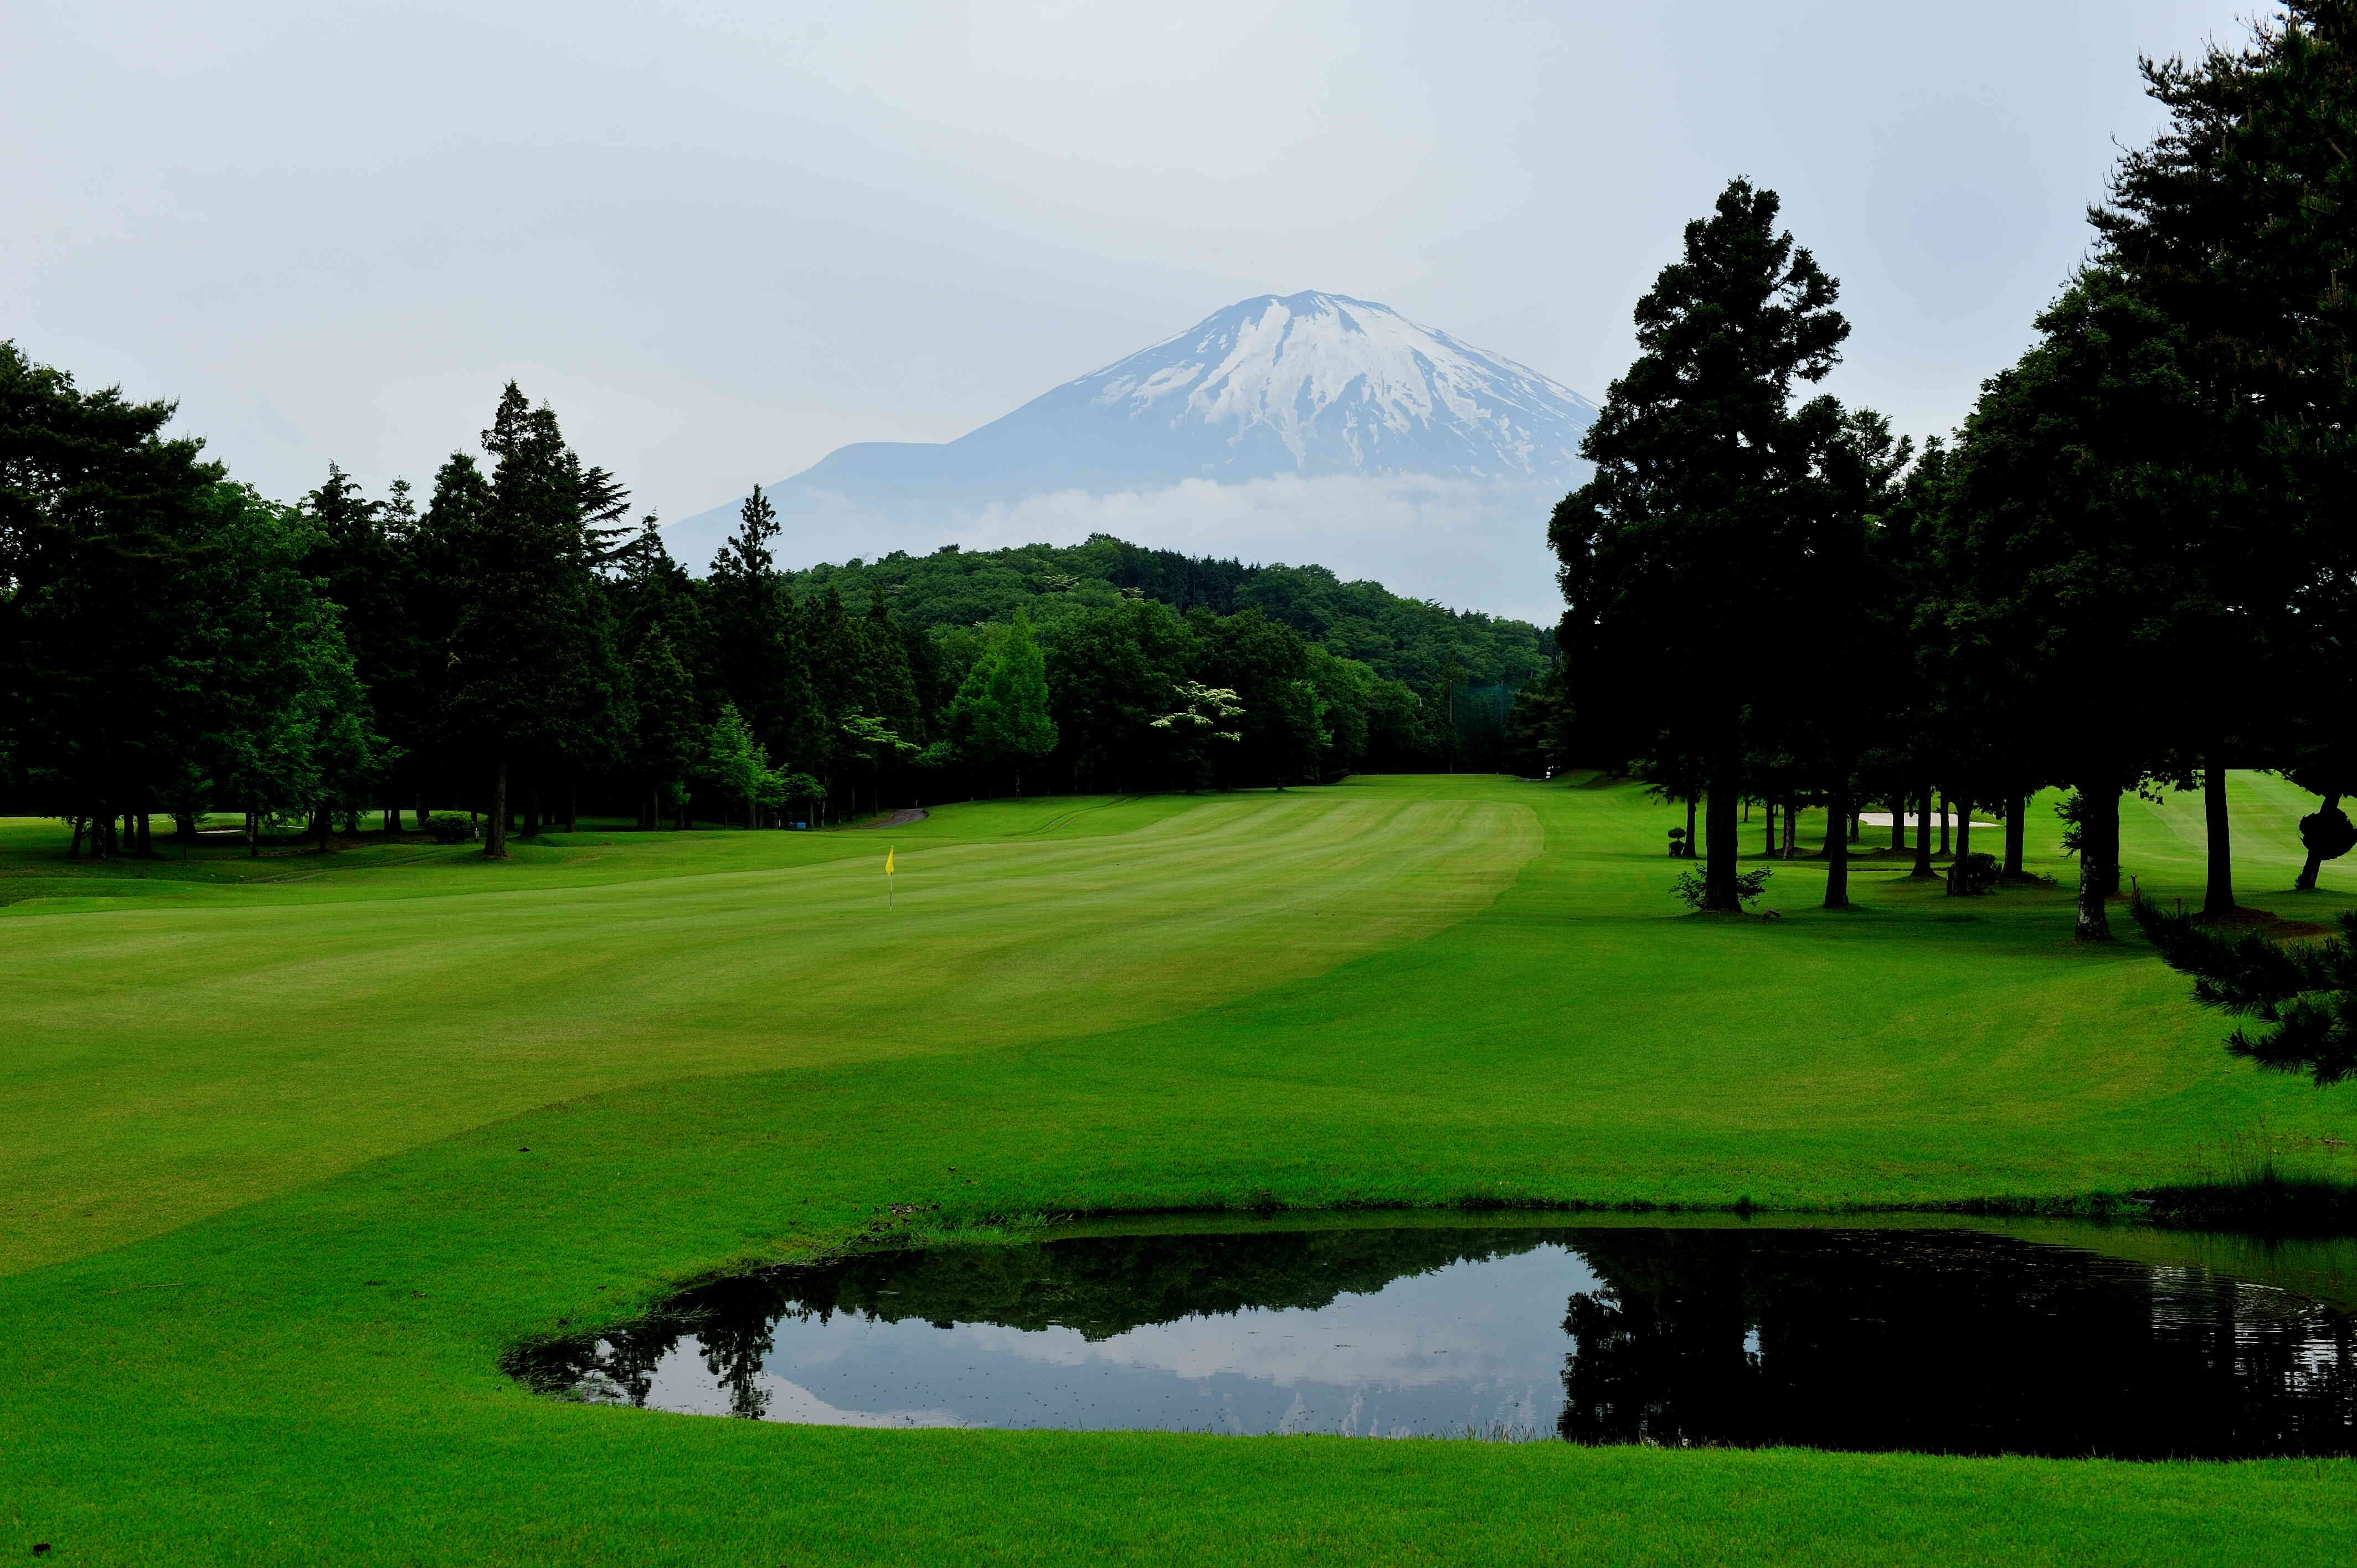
(2271, 1203)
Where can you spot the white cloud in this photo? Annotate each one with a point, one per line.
(1465, 544)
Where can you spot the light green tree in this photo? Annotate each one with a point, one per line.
(999, 718)
(735, 763)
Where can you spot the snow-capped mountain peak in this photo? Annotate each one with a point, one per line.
(1302, 426)
(1344, 385)
(1301, 384)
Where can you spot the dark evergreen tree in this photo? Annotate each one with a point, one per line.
(2066, 528)
(536, 674)
(102, 525)
(1683, 544)
(440, 547)
(1851, 485)
(285, 726)
(756, 662)
(362, 559)
(2305, 994)
(2221, 226)
(666, 737)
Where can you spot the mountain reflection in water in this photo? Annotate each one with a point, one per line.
(1953, 1341)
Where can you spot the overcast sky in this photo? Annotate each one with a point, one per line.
(725, 238)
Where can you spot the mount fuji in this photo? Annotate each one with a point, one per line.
(1309, 427)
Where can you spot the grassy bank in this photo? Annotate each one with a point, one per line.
(285, 1164)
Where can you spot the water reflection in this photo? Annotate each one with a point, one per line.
(1945, 1341)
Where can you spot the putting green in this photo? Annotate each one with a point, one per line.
(287, 1162)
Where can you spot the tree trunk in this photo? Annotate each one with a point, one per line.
(253, 833)
(1922, 868)
(74, 851)
(2307, 883)
(571, 803)
(323, 822)
(2017, 828)
(1792, 829)
(1964, 829)
(1947, 810)
(533, 822)
(1898, 826)
(495, 839)
(2099, 838)
(1718, 822)
(147, 846)
(1690, 827)
(2218, 896)
(1836, 850)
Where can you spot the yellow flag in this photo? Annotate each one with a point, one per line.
(888, 862)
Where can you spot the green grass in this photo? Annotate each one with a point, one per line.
(267, 1218)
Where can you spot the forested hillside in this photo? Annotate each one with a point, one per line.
(1427, 646)
(510, 646)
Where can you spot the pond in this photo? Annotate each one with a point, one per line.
(1949, 1340)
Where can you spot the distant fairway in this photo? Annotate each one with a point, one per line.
(178, 1059)
(265, 1195)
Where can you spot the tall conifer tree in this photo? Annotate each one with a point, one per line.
(1683, 544)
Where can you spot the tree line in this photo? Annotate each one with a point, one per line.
(2132, 567)
(512, 646)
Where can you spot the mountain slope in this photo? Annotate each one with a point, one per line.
(1307, 427)
(1308, 384)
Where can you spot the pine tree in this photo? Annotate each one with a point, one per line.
(102, 521)
(2305, 996)
(438, 547)
(2224, 226)
(285, 726)
(666, 739)
(756, 662)
(360, 559)
(2066, 534)
(1001, 718)
(1683, 542)
(535, 675)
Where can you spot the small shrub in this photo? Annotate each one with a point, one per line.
(449, 828)
(1749, 885)
(1973, 873)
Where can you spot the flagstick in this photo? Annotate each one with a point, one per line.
(889, 882)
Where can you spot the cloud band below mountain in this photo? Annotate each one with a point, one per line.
(1469, 544)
